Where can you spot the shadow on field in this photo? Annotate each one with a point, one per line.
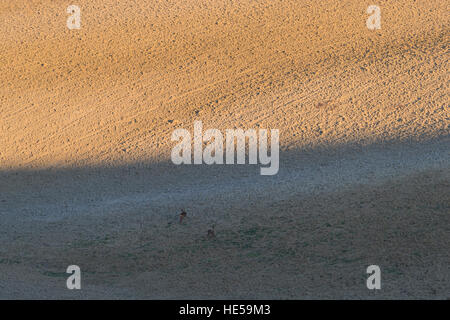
(309, 232)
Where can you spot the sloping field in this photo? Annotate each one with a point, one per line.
(113, 91)
(86, 118)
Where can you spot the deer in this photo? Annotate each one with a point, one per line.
(211, 234)
(183, 215)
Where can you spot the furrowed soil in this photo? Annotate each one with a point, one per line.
(86, 118)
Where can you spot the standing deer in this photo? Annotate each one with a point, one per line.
(182, 215)
(211, 234)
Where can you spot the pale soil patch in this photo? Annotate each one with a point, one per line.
(113, 92)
